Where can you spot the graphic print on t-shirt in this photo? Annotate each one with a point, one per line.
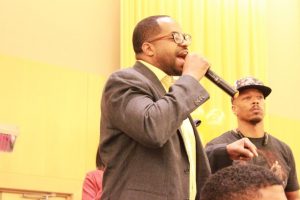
(269, 159)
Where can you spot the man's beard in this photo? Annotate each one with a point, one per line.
(255, 120)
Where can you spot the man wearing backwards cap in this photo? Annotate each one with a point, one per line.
(249, 108)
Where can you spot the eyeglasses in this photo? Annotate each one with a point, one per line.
(179, 38)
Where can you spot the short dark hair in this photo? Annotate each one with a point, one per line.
(238, 182)
(145, 29)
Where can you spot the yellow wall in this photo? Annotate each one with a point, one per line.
(283, 69)
(69, 33)
(54, 59)
(56, 110)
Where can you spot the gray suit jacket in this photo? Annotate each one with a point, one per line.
(141, 143)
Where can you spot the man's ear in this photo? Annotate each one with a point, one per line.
(148, 49)
(233, 108)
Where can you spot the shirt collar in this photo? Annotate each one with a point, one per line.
(158, 72)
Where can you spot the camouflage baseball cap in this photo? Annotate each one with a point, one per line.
(251, 82)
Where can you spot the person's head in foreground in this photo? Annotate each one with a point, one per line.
(243, 182)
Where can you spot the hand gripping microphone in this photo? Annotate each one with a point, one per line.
(221, 83)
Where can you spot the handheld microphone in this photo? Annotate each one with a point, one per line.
(221, 83)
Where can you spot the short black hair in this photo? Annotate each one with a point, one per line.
(146, 28)
(238, 182)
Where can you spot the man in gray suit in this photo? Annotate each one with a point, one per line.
(149, 143)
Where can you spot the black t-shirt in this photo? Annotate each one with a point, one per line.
(272, 154)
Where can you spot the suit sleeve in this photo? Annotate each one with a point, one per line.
(134, 109)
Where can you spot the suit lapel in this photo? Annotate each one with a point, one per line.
(150, 77)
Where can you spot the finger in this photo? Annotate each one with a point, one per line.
(249, 145)
(244, 158)
(246, 153)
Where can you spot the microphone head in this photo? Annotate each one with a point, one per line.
(236, 95)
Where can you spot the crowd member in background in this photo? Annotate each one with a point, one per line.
(249, 108)
(243, 182)
(92, 184)
(149, 143)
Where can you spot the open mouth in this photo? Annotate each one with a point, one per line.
(183, 54)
